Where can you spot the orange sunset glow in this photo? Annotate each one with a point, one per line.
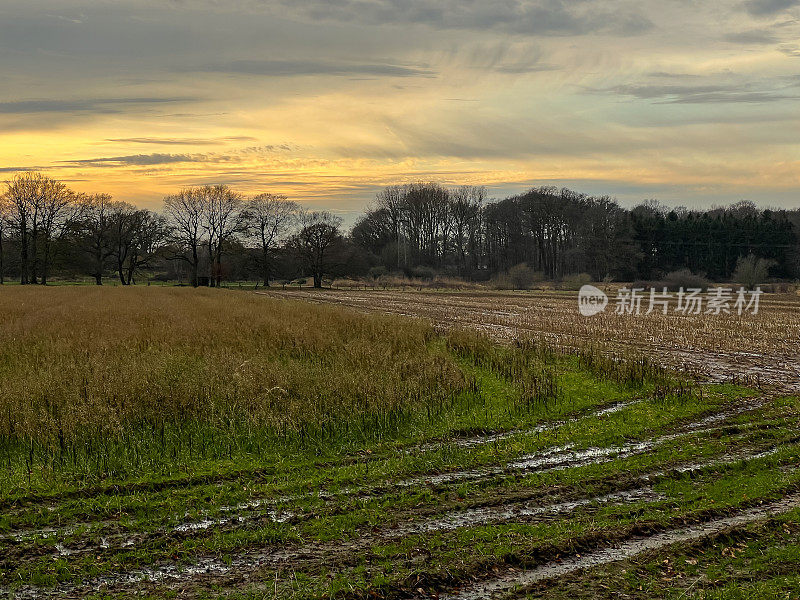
(328, 103)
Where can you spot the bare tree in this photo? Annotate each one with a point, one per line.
(185, 214)
(123, 232)
(391, 203)
(59, 209)
(422, 214)
(97, 225)
(268, 218)
(5, 213)
(139, 237)
(315, 242)
(21, 194)
(466, 203)
(36, 205)
(150, 235)
(221, 222)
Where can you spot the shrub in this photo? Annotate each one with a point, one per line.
(685, 279)
(575, 281)
(377, 272)
(501, 281)
(423, 272)
(523, 277)
(751, 270)
(781, 287)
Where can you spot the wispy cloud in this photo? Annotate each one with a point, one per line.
(751, 36)
(157, 158)
(92, 105)
(137, 160)
(522, 68)
(19, 169)
(290, 68)
(154, 141)
(703, 94)
(77, 20)
(531, 17)
(142, 96)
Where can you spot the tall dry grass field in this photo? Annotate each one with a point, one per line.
(99, 380)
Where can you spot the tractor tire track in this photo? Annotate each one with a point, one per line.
(214, 569)
(505, 585)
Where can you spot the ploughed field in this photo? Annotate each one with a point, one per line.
(212, 443)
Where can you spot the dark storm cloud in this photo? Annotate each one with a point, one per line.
(768, 7)
(90, 105)
(289, 68)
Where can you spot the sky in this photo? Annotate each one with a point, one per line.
(327, 101)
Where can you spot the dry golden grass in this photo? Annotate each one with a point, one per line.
(77, 359)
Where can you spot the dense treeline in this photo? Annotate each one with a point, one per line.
(208, 234)
(560, 232)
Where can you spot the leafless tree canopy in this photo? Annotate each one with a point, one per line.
(37, 207)
(184, 212)
(267, 219)
(42, 214)
(212, 231)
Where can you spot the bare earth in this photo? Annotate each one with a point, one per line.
(761, 349)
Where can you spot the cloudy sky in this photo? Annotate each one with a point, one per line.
(690, 102)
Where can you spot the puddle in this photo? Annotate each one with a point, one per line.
(564, 457)
(278, 517)
(274, 516)
(466, 518)
(509, 512)
(552, 459)
(718, 462)
(484, 439)
(35, 534)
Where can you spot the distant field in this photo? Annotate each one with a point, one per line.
(762, 349)
(172, 442)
